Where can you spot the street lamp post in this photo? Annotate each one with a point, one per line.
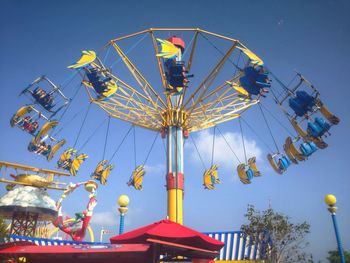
(331, 200)
(123, 202)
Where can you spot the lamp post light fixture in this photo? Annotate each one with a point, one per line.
(331, 200)
(123, 202)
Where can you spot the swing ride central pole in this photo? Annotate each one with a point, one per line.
(175, 175)
(175, 172)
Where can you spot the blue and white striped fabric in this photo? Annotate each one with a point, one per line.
(50, 242)
(239, 246)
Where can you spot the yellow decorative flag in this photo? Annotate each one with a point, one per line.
(168, 49)
(86, 58)
(254, 58)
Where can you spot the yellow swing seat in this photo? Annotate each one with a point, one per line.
(76, 163)
(211, 177)
(252, 165)
(55, 148)
(303, 134)
(44, 130)
(292, 151)
(102, 172)
(243, 174)
(136, 177)
(326, 113)
(105, 173)
(21, 112)
(65, 161)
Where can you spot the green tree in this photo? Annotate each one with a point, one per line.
(333, 256)
(3, 230)
(288, 238)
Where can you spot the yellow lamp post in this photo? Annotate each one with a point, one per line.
(123, 202)
(331, 200)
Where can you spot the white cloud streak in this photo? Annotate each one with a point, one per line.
(223, 156)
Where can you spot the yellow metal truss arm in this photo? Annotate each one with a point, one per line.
(146, 87)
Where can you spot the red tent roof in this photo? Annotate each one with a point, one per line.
(126, 253)
(166, 230)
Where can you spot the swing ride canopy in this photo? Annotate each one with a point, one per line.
(212, 101)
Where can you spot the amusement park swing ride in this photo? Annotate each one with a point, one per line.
(204, 80)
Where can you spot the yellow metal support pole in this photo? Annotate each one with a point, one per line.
(175, 205)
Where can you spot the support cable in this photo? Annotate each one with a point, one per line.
(268, 126)
(222, 53)
(129, 50)
(213, 148)
(120, 144)
(107, 54)
(150, 150)
(274, 117)
(106, 138)
(200, 157)
(189, 44)
(68, 122)
(135, 156)
(70, 101)
(82, 125)
(229, 146)
(92, 135)
(240, 125)
(67, 81)
(257, 135)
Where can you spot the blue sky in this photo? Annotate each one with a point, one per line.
(41, 37)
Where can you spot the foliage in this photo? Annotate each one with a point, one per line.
(3, 230)
(288, 238)
(333, 256)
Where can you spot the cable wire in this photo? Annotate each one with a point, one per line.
(106, 138)
(120, 144)
(229, 146)
(213, 148)
(274, 117)
(257, 135)
(81, 127)
(135, 156)
(200, 157)
(240, 125)
(268, 126)
(149, 152)
(92, 135)
(222, 53)
(68, 106)
(68, 122)
(129, 50)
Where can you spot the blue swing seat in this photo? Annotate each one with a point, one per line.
(97, 80)
(302, 103)
(176, 75)
(254, 80)
(284, 162)
(250, 174)
(318, 128)
(308, 148)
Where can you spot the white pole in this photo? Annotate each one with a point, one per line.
(101, 234)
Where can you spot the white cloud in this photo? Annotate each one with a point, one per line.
(223, 156)
(110, 218)
(105, 219)
(155, 169)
